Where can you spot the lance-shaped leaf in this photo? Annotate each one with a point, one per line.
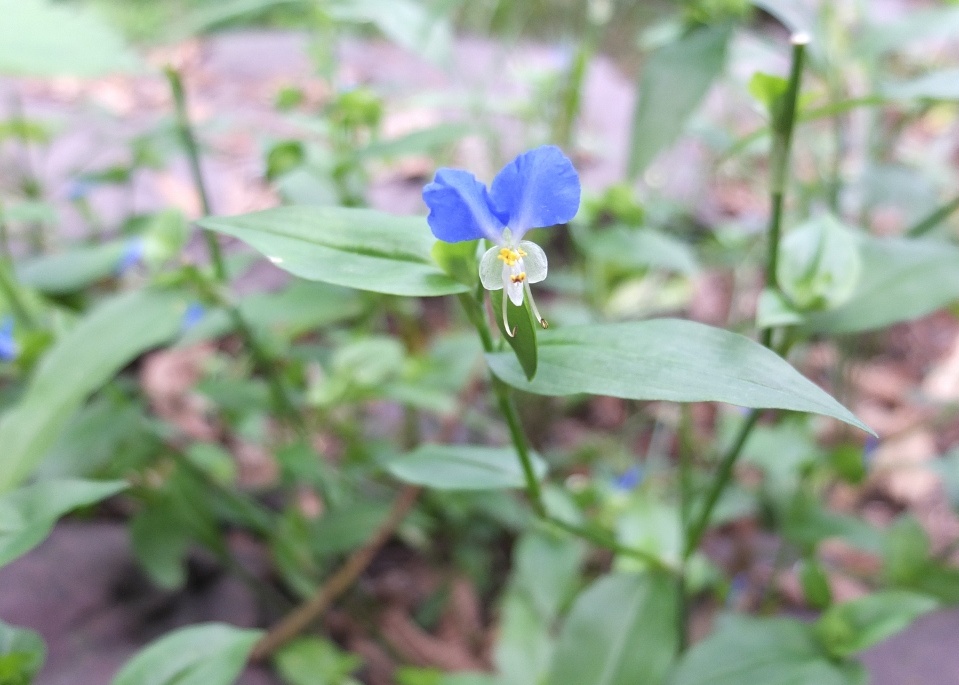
(207, 654)
(80, 362)
(27, 515)
(357, 248)
(667, 359)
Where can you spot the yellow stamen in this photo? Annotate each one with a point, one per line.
(518, 278)
(510, 257)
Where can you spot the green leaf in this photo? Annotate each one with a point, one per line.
(205, 654)
(942, 84)
(769, 91)
(914, 27)
(406, 22)
(819, 264)
(906, 551)
(851, 627)
(639, 249)
(545, 575)
(79, 363)
(815, 584)
(620, 631)
(22, 653)
(160, 544)
(767, 651)
(459, 260)
(315, 661)
(42, 38)
(347, 527)
(672, 83)
(901, 280)
(357, 248)
(522, 327)
(424, 141)
(667, 359)
(462, 467)
(69, 272)
(28, 514)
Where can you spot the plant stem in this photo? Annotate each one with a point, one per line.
(9, 289)
(695, 532)
(187, 137)
(278, 392)
(782, 126)
(477, 316)
(933, 219)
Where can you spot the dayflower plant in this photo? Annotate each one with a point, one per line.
(537, 189)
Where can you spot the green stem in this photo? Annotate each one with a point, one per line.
(477, 316)
(783, 127)
(474, 310)
(10, 290)
(933, 219)
(187, 137)
(603, 539)
(508, 408)
(694, 533)
(278, 393)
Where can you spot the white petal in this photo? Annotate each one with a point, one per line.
(491, 269)
(534, 262)
(514, 286)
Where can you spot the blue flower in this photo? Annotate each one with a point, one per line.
(192, 316)
(133, 252)
(629, 479)
(537, 189)
(8, 345)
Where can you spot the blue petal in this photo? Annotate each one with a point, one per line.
(192, 316)
(8, 345)
(460, 208)
(133, 252)
(538, 188)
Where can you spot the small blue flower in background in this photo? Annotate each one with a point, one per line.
(629, 479)
(8, 345)
(133, 252)
(78, 190)
(537, 189)
(869, 450)
(192, 316)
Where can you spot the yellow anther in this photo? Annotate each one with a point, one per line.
(510, 257)
(518, 278)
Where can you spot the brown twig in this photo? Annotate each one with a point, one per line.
(300, 618)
